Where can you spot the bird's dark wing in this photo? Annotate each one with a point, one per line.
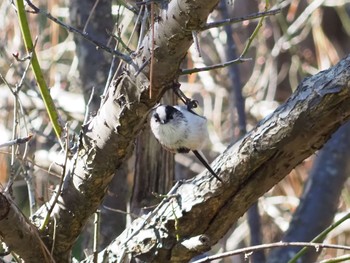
(204, 162)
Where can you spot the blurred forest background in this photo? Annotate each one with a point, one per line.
(303, 39)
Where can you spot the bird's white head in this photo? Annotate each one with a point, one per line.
(164, 113)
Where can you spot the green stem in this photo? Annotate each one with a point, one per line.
(320, 237)
(256, 30)
(44, 91)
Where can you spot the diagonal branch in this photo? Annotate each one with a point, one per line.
(19, 234)
(203, 211)
(229, 21)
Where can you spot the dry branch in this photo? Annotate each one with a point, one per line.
(20, 235)
(203, 208)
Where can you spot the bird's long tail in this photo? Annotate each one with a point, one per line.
(205, 163)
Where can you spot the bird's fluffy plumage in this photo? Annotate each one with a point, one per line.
(178, 129)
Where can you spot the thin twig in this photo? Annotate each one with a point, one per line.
(131, 36)
(17, 58)
(110, 78)
(147, 2)
(54, 234)
(30, 55)
(15, 93)
(336, 259)
(58, 192)
(129, 7)
(90, 15)
(196, 43)
(153, 213)
(152, 52)
(240, 19)
(17, 141)
(98, 44)
(13, 148)
(119, 40)
(320, 237)
(142, 67)
(238, 60)
(7, 84)
(87, 107)
(254, 34)
(32, 161)
(119, 211)
(28, 177)
(216, 66)
(96, 232)
(249, 250)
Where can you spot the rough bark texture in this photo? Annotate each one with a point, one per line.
(20, 235)
(249, 168)
(94, 68)
(320, 199)
(108, 139)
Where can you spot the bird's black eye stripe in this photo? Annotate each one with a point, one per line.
(156, 117)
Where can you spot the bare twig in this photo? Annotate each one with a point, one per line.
(120, 211)
(153, 213)
(17, 58)
(254, 34)
(98, 44)
(17, 141)
(110, 73)
(152, 53)
(336, 259)
(196, 43)
(90, 15)
(320, 237)
(240, 19)
(238, 60)
(216, 66)
(142, 67)
(249, 250)
(120, 41)
(58, 192)
(148, 2)
(87, 114)
(54, 234)
(96, 232)
(32, 161)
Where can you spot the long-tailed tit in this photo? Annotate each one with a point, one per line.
(181, 130)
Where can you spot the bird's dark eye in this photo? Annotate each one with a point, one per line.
(156, 117)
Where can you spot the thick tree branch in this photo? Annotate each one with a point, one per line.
(20, 235)
(108, 139)
(203, 208)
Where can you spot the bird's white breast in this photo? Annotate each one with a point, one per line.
(184, 130)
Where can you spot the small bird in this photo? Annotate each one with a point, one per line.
(180, 130)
